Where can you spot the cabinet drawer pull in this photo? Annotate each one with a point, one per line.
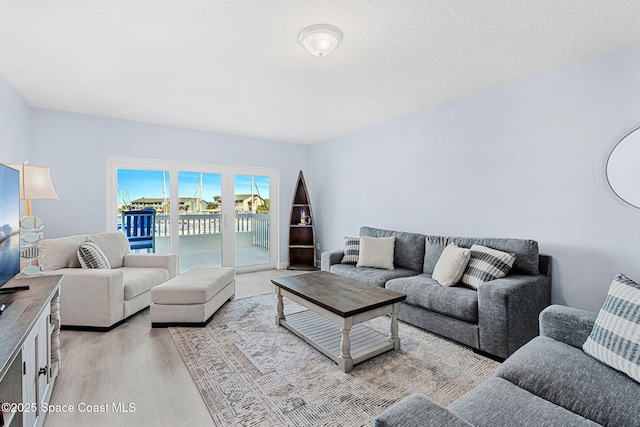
(43, 371)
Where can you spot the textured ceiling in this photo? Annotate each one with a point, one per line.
(236, 66)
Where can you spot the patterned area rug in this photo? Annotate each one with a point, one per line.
(251, 372)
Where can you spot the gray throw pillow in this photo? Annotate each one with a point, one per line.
(91, 256)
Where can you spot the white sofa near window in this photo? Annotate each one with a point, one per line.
(101, 299)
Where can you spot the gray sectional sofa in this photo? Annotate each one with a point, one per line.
(497, 319)
(550, 381)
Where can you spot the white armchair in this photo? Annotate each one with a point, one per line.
(101, 299)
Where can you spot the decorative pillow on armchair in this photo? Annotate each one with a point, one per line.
(615, 338)
(91, 256)
(376, 252)
(486, 264)
(351, 250)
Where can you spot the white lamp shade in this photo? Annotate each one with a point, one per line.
(35, 182)
(320, 40)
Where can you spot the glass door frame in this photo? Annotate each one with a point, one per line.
(227, 173)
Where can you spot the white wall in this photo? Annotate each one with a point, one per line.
(516, 161)
(76, 146)
(14, 124)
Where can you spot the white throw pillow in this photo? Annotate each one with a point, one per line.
(451, 265)
(376, 252)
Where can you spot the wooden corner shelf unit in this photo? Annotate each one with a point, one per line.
(302, 235)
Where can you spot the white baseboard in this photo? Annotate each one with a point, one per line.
(284, 265)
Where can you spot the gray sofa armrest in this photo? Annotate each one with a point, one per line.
(508, 311)
(418, 410)
(90, 297)
(168, 261)
(327, 259)
(566, 324)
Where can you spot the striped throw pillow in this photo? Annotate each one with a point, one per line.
(91, 256)
(615, 338)
(486, 264)
(351, 250)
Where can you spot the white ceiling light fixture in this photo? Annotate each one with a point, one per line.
(320, 39)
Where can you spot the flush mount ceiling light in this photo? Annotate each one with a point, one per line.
(320, 39)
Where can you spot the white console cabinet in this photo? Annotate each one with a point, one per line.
(30, 349)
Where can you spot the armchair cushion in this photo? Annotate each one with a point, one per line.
(140, 280)
(115, 246)
(62, 252)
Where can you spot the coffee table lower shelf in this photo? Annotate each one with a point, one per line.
(325, 336)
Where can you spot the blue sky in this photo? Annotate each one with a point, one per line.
(135, 184)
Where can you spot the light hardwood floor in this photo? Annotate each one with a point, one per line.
(134, 364)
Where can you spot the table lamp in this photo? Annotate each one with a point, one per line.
(35, 184)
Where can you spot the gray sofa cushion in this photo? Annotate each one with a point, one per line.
(566, 376)
(526, 251)
(409, 247)
(418, 410)
(371, 276)
(497, 402)
(425, 292)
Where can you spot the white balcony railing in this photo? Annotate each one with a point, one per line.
(199, 224)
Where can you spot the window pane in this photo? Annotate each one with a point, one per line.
(252, 219)
(200, 220)
(146, 189)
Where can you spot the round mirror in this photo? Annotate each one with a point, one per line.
(623, 168)
(617, 167)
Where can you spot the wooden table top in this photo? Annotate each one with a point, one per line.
(340, 295)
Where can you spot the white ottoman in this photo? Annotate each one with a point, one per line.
(192, 298)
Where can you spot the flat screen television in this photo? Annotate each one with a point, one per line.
(9, 223)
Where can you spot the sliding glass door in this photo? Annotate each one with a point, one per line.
(210, 216)
(200, 219)
(251, 220)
